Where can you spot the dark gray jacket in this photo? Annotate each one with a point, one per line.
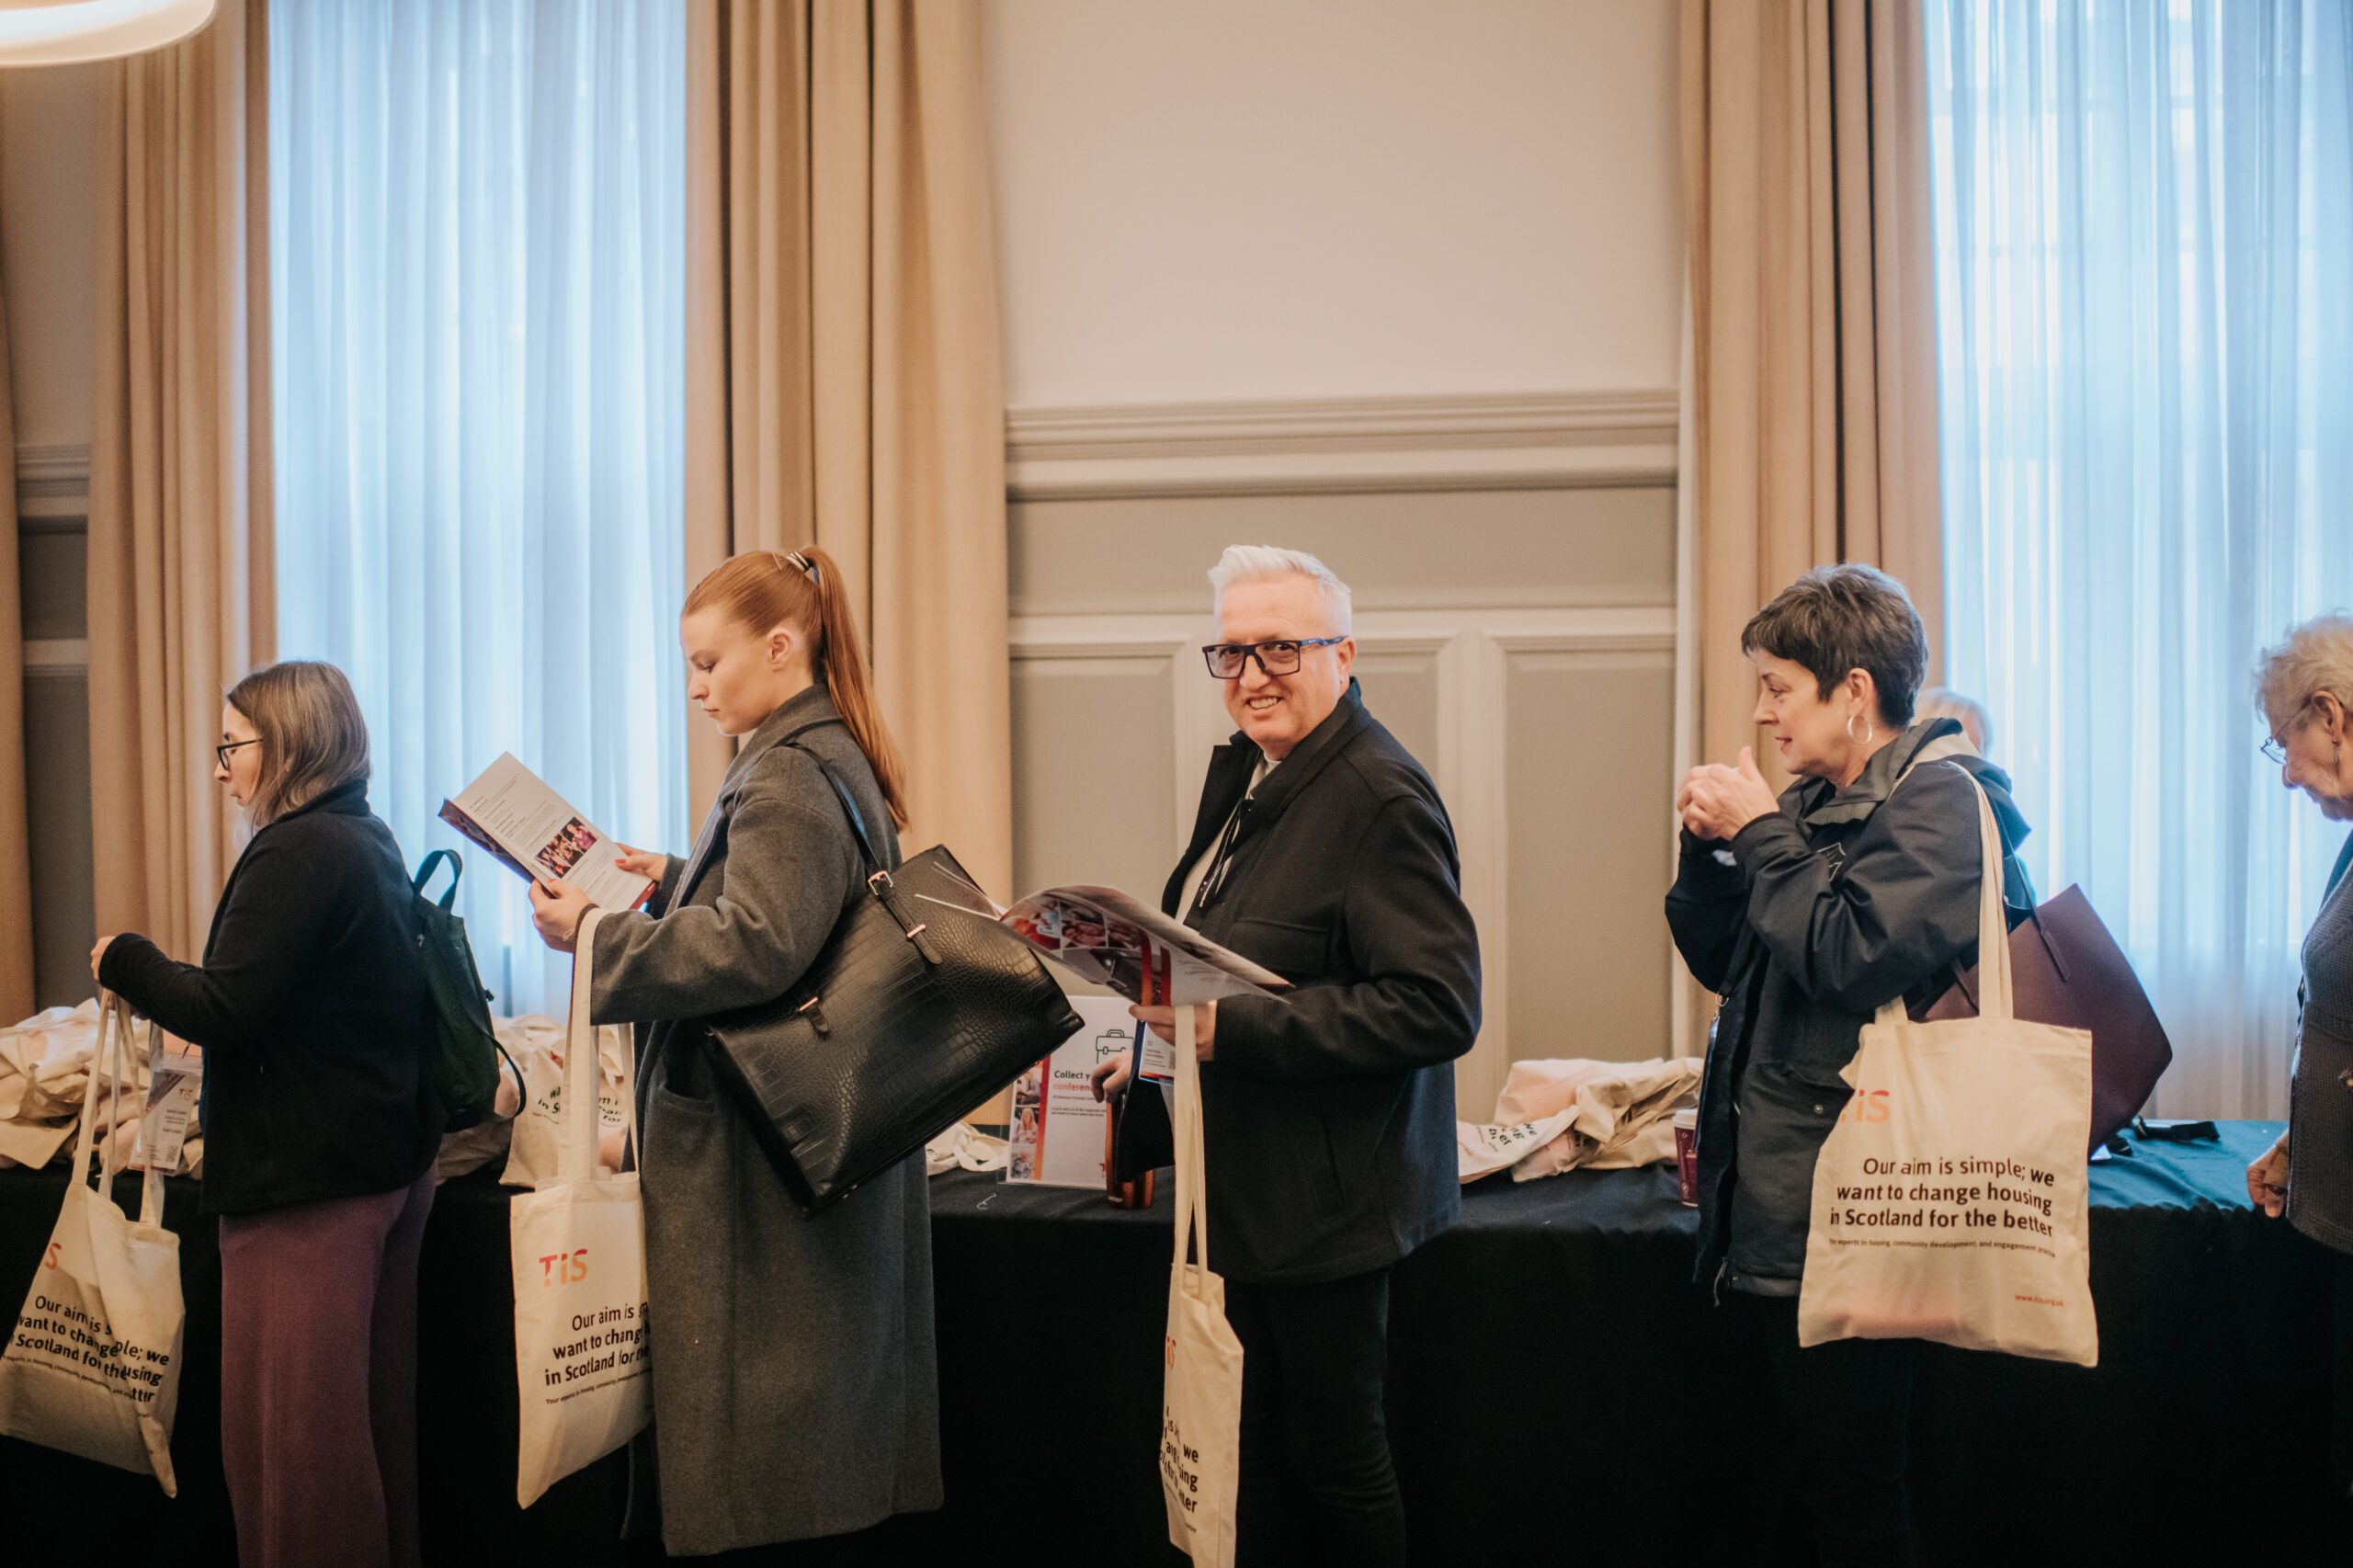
(1328, 1115)
(795, 1383)
(1834, 905)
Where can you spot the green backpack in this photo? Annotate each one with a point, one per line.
(462, 1063)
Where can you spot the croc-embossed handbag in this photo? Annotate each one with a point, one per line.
(917, 1010)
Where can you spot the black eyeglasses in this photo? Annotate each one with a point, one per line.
(1278, 657)
(223, 751)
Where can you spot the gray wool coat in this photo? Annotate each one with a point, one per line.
(795, 1383)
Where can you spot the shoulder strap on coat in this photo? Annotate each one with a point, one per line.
(841, 792)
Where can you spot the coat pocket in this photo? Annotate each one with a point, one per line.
(1297, 952)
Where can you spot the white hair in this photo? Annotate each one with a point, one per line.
(1266, 563)
(2316, 657)
(1943, 702)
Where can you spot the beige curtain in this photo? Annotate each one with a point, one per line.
(843, 382)
(1805, 144)
(181, 598)
(16, 846)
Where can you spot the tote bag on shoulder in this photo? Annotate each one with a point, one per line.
(94, 1365)
(578, 1252)
(1950, 1201)
(1201, 1414)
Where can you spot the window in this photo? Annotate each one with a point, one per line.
(478, 349)
(2144, 234)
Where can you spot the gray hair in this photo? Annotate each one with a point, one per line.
(312, 734)
(2316, 657)
(1943, 702)
(1266, 563)
(1836, 619)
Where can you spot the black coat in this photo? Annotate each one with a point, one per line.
(313, 1011)
(1838, 902)
(1328, 1114)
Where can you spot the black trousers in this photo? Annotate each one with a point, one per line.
(1829, 1469)
(1317, 1485)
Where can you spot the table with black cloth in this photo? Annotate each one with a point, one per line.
(1557, 1385)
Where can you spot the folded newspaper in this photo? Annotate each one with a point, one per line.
(1104, 937)
(536, 833)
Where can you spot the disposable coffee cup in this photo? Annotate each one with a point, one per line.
(1686, 1155)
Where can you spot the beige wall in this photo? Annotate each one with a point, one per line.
(1211, 200)
(49, 120)
(1396, 281)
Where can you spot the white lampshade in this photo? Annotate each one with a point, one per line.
(59, 32)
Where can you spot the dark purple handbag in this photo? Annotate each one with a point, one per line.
(2065, 968)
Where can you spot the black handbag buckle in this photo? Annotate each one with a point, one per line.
(815, 1014)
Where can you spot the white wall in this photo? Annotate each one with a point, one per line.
(1232, 200)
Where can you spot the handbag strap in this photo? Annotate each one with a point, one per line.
(841, 792)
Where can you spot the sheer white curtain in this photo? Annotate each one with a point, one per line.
(2144, 233)
(478, 329)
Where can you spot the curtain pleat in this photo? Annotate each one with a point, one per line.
(181, 591)
(1812, 298)
(843, 379)
(16, 846)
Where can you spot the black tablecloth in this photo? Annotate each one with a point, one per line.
(1557, 1385)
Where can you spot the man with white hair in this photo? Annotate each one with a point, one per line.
(1321, 851)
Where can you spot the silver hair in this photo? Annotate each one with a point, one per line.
(2316, 657)
(1266, 563)
(1943, 702)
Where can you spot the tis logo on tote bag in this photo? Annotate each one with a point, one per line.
(1950, 1201)
(578, 1257)
(94, 1365)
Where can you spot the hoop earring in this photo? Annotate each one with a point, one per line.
(1870, 731)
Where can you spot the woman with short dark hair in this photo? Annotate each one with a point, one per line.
(1806, 912)
(320, 1133)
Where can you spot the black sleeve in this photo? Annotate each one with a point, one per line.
(1901, 907)
(1411, 938)
(278, 917)
(1706, 908)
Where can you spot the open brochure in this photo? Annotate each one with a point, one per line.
(1103, 936)
(510, 811)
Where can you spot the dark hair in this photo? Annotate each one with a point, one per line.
(313, 737)
(1836, 619)
(762, 589)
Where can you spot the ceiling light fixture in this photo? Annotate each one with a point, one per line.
(60, 32)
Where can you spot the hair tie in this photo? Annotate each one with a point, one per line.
(804, 563)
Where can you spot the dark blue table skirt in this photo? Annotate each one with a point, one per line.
(1557, 1386)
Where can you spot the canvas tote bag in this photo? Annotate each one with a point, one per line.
(579, 1251)
(1200, 1407)
(94, 1366)
(1949, 1201)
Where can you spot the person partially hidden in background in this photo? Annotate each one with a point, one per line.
(1321, 851)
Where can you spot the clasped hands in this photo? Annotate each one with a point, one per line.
(558, 907)
(1111, 1076)
(1716, 802)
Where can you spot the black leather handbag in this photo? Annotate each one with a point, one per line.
(918, 1009)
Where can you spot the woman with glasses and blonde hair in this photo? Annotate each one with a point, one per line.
(319, 1131)
(795, 1388)
(2304, 687)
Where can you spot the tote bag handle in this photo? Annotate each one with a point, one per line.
(112, 1060)
(576, 1159)
(1192, 1172)
(1994, 999)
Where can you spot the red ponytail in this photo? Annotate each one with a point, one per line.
(762, 589)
